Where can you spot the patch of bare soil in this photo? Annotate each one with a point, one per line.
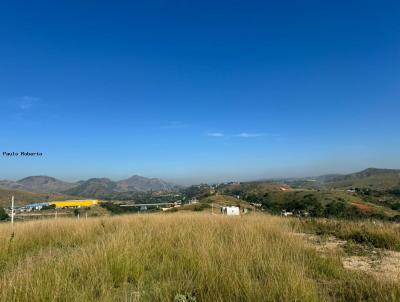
(378, 262)
(323, 244)
(386, 265)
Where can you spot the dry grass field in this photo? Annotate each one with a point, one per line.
(175, 257)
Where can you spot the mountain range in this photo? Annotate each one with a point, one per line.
(371, 178)
(93, 186)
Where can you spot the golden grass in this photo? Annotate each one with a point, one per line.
(156, 257)
(378, 234)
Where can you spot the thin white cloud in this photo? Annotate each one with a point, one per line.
(26, 102)
(215, 134)
(241, 135)
(252, 135)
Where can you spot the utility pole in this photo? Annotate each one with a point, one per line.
(12, 209)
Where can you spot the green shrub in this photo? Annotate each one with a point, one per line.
(3, 214)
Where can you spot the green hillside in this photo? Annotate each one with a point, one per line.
(318, 203)
(372, 178)
(94, 188)
(257, 187)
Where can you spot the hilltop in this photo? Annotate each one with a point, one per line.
(140, 183)
(44, 184)
(92, 187)
(106, 188)
(371, 178)
(37, 184)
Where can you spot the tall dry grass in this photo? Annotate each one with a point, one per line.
(156, 257)
(378, 234)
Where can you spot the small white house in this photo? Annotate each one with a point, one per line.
(193, 201)
(231, 210)
(286, 214)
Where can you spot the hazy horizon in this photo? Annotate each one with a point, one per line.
(199, 180)
(199, 92)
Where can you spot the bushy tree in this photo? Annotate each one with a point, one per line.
(396, 206)
(49, 207)
(3, 214)
(342, 210)
(335, 209)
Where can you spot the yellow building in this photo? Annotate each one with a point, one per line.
(74, 203)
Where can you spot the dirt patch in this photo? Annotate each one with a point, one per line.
(378, 262)
(363, 207)
(323, 243)
(386, 265)
(329, 244)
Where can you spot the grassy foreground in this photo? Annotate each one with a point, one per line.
(158, 257)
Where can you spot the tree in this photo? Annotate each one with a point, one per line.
(3, 214)
(49, 207)
(396, 206)
(335, 209)
(316, 209)
(76, 212)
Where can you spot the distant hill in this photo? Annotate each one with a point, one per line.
(379, 179)
(371, 178)
(106, 188)
(12, 185)
(95, 187)
(45, 184)
(258, 187)
(24, 197)
(37, 184)
(139, 183)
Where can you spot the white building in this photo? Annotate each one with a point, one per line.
(231, 210)
(286, 214)
(193, 201)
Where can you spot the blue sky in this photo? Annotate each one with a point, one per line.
(199, 91)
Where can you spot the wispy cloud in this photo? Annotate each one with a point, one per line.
(26, 102)
(240, 135)
(175, 125)
(215, 134)
(252, 134)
